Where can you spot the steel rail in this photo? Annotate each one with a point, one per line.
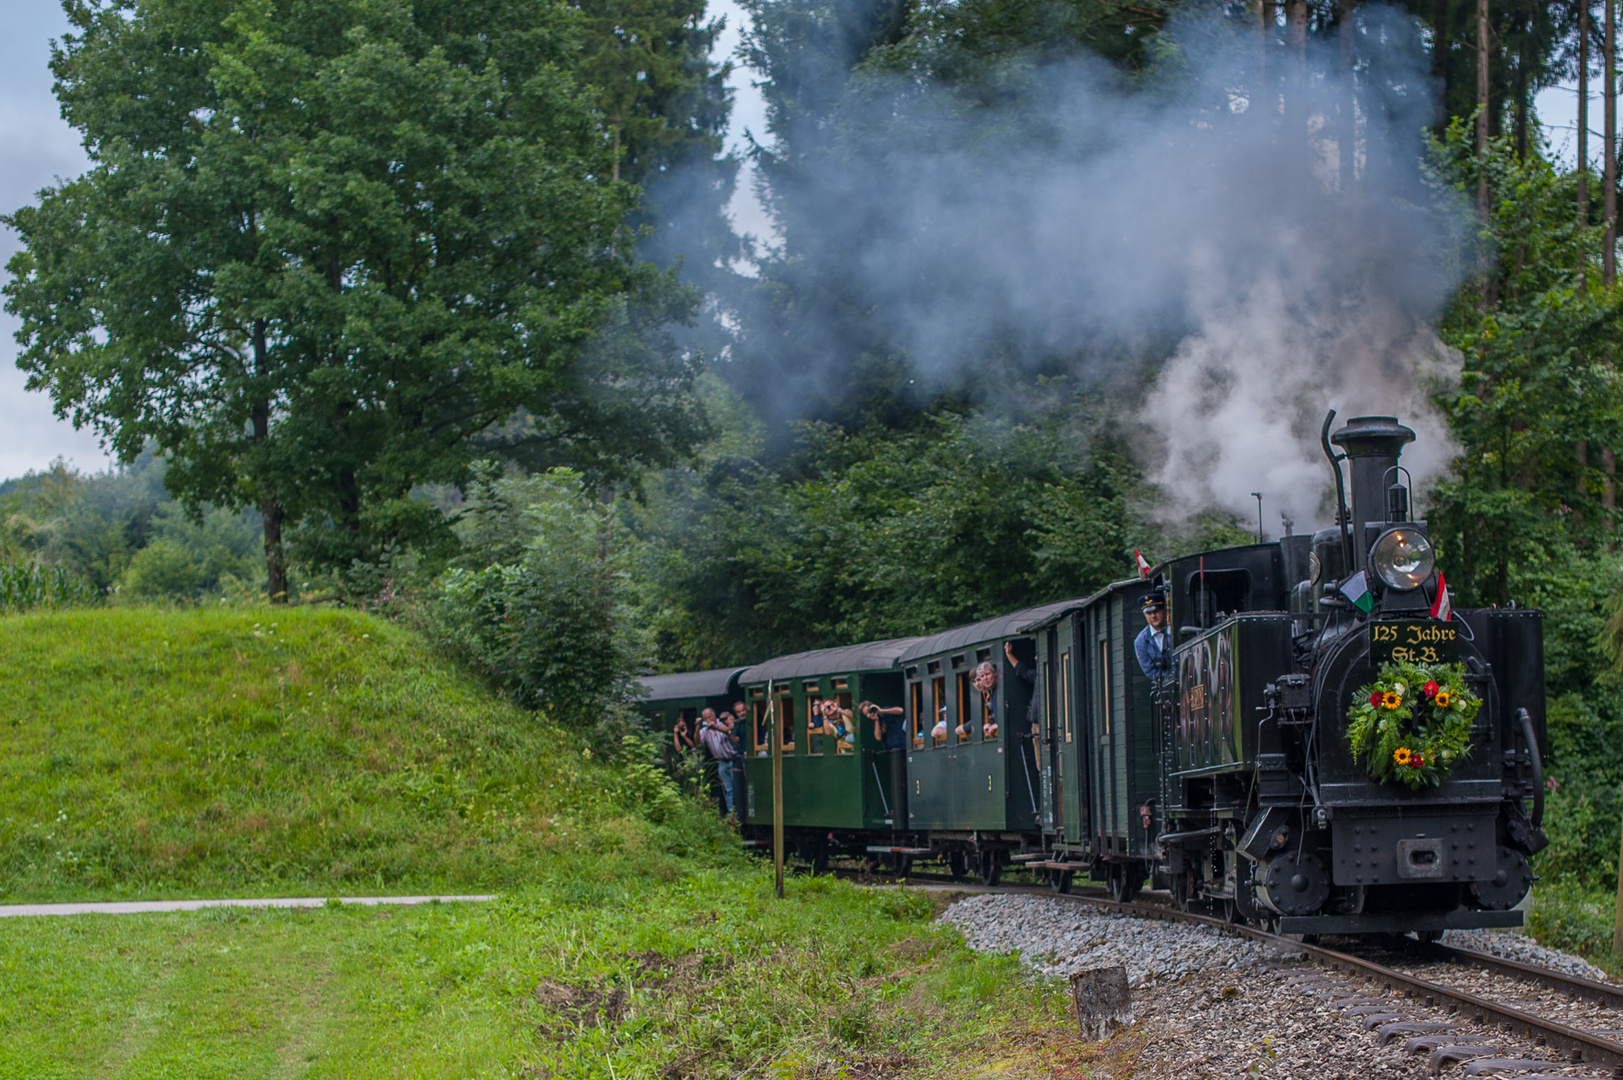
(1571, 985)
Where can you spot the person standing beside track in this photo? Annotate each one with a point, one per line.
(717, 736)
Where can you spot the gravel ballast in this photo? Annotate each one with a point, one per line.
(1060, 938)
(1212, 1005)
(1513, 946)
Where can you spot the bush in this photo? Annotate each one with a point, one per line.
(162, 568)
(537, 600)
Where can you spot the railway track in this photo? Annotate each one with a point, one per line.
(1458, 1006)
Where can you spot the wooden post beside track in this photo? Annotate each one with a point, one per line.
(775, 733)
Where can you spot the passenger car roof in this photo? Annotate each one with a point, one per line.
(994, 629)
(689, 684)
(868, 656)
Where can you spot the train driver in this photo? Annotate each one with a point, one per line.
(1153, 646)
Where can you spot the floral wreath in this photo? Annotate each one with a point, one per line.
(1413, 722)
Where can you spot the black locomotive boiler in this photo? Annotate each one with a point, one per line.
(1264, 807)
(1232, 782)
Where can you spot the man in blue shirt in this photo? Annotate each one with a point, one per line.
(1153, 646)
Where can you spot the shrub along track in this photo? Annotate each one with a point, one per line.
(1458, 1006)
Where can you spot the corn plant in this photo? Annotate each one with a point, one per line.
(26, 586)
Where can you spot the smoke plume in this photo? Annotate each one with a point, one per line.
(1262, 239)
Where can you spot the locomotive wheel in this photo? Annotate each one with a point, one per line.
(901, 865)
(991, 868)
(958, 864)
(1183, 891)
(1060, 880)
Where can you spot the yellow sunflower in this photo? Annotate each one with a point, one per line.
(1391, 699)
(1442, 699)
(1401, 755)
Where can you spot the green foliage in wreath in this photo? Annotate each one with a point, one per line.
(1412, 723)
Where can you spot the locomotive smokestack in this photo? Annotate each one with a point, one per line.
(1372, 445)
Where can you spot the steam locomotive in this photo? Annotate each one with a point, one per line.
(1332, 751)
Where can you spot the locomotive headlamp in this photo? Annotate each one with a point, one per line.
(1403, 558)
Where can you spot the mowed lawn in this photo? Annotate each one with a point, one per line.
(709, 977)
(268, 993)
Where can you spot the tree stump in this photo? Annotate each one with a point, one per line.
(1102, 1001)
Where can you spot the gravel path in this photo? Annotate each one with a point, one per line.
(1212, 1006)
(143, 907)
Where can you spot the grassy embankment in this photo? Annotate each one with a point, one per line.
(161, 753)
(152, 753)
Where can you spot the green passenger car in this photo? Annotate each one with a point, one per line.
(1100, 734)
(974, 769)
(838, 780)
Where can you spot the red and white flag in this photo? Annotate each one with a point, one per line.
(1442, 608)
(1143, 564)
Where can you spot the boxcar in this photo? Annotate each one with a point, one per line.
(842, 791)
(974, 772)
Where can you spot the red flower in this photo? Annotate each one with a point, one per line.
(1375, 698)
(1431, 689)
(1418, 761)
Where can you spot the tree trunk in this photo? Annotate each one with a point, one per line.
(1296, 29)
(1482, 105)
(1347, 138)
(1296, 74)
(1583, 113)
(275, 554)
(1608, 491)
(1608, 262)
(270, 507)
(1265, 39)
(1439, 61)
(1521, 106)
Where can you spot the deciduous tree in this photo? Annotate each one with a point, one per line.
(328, 249)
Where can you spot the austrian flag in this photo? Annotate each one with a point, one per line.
(1143, 564)
(1442, 607)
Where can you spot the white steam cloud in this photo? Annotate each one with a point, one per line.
(1271, 243)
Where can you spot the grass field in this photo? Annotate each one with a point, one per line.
(154, 753)
(707, 977)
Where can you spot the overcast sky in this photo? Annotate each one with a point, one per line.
(36, 147)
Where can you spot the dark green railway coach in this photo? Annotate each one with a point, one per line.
(974, 769)
(667, 698)
(838, 780)
(1099, 735)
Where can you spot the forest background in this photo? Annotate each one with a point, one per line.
(692, 448)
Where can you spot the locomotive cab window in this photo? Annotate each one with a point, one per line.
(1217, 593)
